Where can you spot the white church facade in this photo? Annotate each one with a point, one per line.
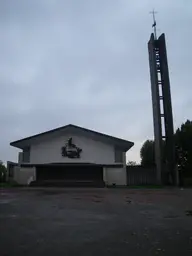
(70, 155)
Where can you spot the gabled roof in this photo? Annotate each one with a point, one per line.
(124, 144)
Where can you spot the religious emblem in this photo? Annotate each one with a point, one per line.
(70, 150)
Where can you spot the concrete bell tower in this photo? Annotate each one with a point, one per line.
(162, 110)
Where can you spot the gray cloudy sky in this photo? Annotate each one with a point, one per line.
(85, 62)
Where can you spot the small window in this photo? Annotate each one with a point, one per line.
(11, 171)
(118, 156)
(26, 155)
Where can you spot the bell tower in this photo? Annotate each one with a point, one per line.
(162, 109)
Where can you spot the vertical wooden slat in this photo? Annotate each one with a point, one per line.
(138, 175)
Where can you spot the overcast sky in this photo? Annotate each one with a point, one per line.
(85, 62)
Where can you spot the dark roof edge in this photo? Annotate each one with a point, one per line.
(9, 163)
(39, 134)
(74, 126)
(73, 164)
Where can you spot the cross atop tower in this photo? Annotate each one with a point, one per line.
(154, 24)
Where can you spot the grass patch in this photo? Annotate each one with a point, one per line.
(137, 187)
(147, 186)
(9, 185)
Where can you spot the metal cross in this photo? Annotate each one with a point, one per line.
(154, 24)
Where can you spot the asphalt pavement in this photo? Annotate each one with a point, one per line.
(59, 221)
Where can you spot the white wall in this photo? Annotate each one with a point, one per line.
(116, 176)
(92, 151)
(24, 175)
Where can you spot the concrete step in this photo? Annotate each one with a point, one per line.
(67, 183)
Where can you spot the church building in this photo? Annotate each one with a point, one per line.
(70, 156)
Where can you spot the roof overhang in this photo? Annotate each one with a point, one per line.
(27, 142)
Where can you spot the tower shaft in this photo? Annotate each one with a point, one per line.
(162, 111)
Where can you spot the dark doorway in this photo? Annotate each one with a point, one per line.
(70, 175)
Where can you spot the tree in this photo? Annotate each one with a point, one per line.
(3, 172)
(183, 149)
(183, 143)
(131, 163)
(147, 153)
